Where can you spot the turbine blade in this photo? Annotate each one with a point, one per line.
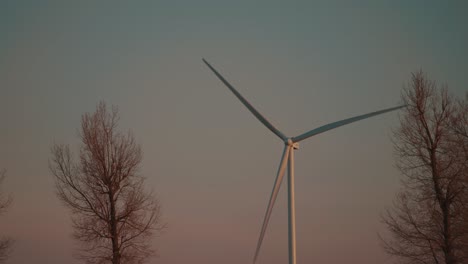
(274, 194)
(247, 104)
(333, 125)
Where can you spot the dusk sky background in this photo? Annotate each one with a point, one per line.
(212, 164)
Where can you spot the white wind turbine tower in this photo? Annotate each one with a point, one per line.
(291, 143)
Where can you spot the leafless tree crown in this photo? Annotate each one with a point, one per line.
(113, 216)
(427, 223)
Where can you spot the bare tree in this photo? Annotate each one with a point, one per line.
(5, 202)
(113, 216)
(426, 221)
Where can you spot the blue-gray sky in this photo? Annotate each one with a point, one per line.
(302, 64)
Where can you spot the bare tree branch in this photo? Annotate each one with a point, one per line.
(5, 202)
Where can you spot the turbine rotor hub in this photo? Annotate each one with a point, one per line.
(293, 144)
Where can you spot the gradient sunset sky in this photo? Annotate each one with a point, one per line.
(212, 164)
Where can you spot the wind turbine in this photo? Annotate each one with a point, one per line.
(287, 159)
